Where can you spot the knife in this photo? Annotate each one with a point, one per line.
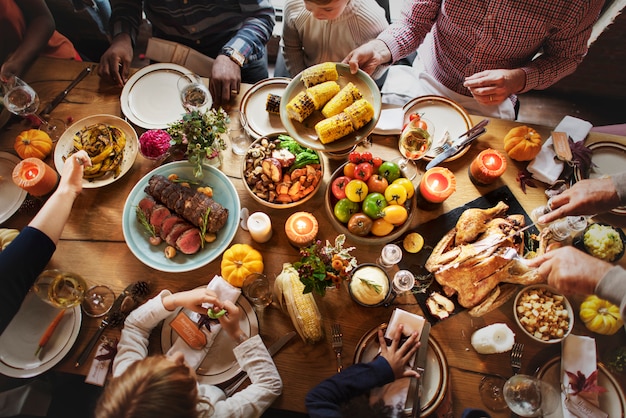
(273, 349)
(412, 406)
(59, 98)
(461, 142)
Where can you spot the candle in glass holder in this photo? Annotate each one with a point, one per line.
(35, 176)
(301, 229)
(437, 185)
(487, 167)
(260, 227)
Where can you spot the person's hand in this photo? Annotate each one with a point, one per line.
(368, 56)
(225, 80)
(115, 62)
(492, 87)
(72, 175)
(8, 70)
(569, 270)
(192, 300)
(230, 321)
(398, 357)
(586, 197)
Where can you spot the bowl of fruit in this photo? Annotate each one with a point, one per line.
(369, 199)
(280, 173)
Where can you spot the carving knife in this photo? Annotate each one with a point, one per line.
(412, 406)
(461, 142)
(273, 349)
(59, 98)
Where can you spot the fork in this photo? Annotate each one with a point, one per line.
(516, 357)
(446, 141)
(337, 342)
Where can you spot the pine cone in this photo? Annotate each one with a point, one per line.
(116, 319)
(140, 291)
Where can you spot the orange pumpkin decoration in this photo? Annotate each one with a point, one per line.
(33, 143)
(522, 143)
(238, 262)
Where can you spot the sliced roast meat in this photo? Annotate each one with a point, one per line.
(158, 214)
(189, 242)
(177, 231)
(169, 223)
(146, 205)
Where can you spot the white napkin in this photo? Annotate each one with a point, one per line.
(390, 121)
(546, 167)
(225, 291)
(578, 353)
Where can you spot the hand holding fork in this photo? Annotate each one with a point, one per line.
(337, 343)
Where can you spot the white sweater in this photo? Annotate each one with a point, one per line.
(307, 41)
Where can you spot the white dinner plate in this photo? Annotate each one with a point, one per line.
(608, 158)
(305, 133)
(20, 339)
(152, 255)
(66, 144)
(612, 402)
(253, 105)
(445, 114)
(220, 363)
(435, 379)
(11, 196)
(150, 97)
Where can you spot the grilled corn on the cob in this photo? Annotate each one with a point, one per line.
(300, 107)
(302, 308)
(316, 74)
(272, 105)
(333, 128)
(348, 95)
(322, 93)
(360, 113)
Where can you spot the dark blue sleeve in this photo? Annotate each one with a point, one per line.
(20, 264)
(325, 399)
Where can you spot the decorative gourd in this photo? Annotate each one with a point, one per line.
(522, 143)
(239, 261)
(33, 143)
(600, 316)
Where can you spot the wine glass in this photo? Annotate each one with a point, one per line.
(490, 389)
(528, 396)
(238, 134)
(193, 93)
(414, 143)
(22, 100)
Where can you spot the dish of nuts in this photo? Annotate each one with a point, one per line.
(544, 314)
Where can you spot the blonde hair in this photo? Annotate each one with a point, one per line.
(149, 388)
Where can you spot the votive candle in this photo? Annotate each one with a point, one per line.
(487, 167)
(301, 229)
(35, 176)
(260, 227)
(437, 184)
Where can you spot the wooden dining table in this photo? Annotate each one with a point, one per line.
(93, 245)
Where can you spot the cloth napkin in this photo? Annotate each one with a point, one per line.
(546, 167)
(390, 121)
(224, 291)
(578, 353)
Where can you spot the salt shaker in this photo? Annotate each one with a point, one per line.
(564, 228)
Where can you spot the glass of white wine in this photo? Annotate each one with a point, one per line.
(193, 93)
(415, 141)
(22, 100)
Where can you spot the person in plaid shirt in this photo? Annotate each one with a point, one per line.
(480, 53)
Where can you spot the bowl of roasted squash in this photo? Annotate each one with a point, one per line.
(280, 173)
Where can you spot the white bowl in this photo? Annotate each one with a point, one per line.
(566, 305)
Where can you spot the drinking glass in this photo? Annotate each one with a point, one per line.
(413, 144)
(256, 288)
(193, 93)
(390, 255)
(490, 390)
(22, 100)
(403, 281)
(98, 300)
(237, 132)
(528, 396)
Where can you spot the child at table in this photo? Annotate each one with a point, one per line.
(164, 386)
(316, 31)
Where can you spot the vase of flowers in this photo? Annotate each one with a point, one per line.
(200, 135)
(324, 266)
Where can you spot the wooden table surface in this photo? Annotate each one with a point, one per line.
(93, 246)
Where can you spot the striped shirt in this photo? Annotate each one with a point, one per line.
(469, 36)
(207, 26)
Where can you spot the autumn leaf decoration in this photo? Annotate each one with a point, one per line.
(581, 157)
(525, 179)
(578, 383)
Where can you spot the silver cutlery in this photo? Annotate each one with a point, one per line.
(444, 144)
(337, 342)
(516, 357)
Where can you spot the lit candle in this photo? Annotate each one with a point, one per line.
(260, 227)
(35, 176)
(487, 167)
(301, 229)
(437, 184)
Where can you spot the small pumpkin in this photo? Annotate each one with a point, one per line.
(600, 316)
(33, 143)
(239, 261)
(522, 143)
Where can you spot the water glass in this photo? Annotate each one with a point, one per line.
(98, 301)
(256, 288)
(390, 255)
(238, 134)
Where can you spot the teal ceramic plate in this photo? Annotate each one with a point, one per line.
(152, 255)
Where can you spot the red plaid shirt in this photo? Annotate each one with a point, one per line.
(469, 36)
